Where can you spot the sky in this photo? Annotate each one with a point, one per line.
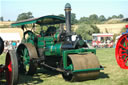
(10, 9)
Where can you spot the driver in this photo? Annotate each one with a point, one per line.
(51, 31)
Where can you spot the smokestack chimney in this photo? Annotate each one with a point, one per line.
(68, 17)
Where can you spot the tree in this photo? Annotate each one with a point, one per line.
(120, 16)
(86, 30)
(23, 16)
(84, 20)
(61, 15)
(94, 19)
(2, 18)
(109, 18)
(95, 28)
(114, 16)
(73, 18)
(102, 18)
(9, 20)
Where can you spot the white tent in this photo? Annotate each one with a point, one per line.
(10, 36)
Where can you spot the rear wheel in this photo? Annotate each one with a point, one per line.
(12, 68)
(122, 51)
(25, 53)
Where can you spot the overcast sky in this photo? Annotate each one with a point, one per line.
(10, 9)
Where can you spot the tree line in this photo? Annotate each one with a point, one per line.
(86, 25)
(94, 18)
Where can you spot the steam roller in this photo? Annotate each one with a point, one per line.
(82, 66)
(121, 51)
(9, 71)
(56, 48)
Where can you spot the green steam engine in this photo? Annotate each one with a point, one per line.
(56, 49)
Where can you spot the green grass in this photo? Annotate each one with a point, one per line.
(2, 58)
(111, 75)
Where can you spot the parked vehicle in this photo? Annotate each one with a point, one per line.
(121, 50)
(102, 40)
(56, 49)
(10, 69)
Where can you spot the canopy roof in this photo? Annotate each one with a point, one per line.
(44, 20)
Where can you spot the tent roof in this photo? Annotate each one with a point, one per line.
(10, 36)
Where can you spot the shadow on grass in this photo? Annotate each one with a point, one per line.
(43, 74)
(47, 72)
(29, 80)
(37, 78)
(24, 79)
(103, 75)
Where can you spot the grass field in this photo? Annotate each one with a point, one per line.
(111, 75)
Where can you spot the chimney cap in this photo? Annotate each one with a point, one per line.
(67, 5)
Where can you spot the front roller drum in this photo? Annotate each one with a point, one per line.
(80, 62)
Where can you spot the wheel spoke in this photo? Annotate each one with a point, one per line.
(125, 61)
(26, 56)
(122, 46)
(123, 50)
(126, 38)
(25, 52)
(122, 54)
(126, 41)
(22, 53)
(124, 58)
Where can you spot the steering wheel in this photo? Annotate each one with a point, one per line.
(30, 34)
